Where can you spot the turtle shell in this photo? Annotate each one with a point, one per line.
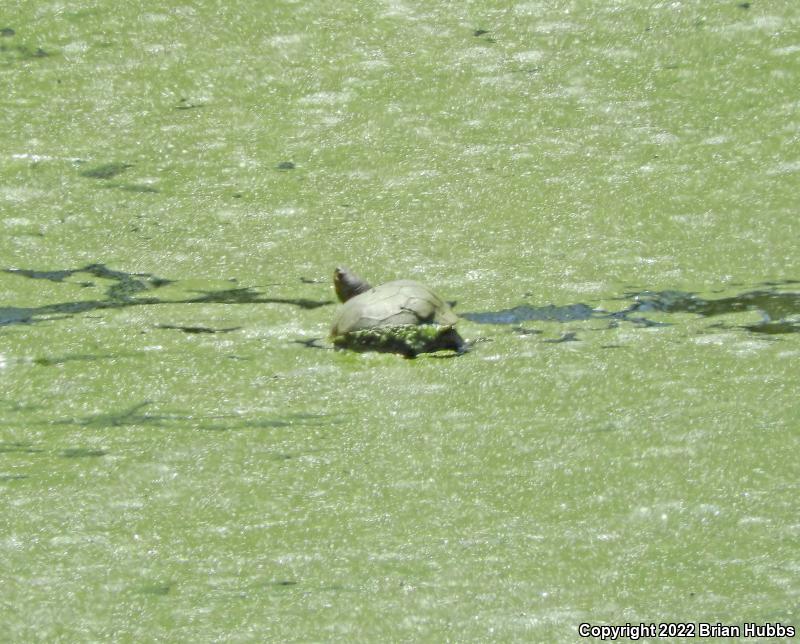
(393, 304)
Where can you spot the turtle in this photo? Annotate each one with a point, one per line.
(402, 316)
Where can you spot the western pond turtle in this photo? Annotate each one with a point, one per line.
(403, 317)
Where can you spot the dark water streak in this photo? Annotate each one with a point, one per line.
(125, 292)
(780, 310)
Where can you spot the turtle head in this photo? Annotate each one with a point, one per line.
(347, 284)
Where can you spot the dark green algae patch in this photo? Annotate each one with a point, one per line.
(106, 170)
(409, 339)
(11, 49)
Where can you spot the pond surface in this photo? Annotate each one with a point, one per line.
(607, 190)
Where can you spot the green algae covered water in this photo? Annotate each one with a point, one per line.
(607, 190)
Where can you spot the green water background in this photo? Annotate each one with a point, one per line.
(198, 471)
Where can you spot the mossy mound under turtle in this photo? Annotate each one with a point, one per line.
(403, 317)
